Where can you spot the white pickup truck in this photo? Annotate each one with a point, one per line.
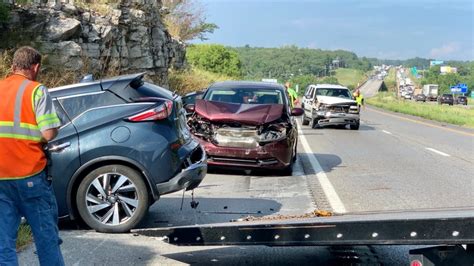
(328, 104)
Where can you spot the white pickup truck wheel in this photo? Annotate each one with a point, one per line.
(305, 120)
(355, 127)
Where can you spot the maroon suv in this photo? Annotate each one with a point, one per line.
(246, 125)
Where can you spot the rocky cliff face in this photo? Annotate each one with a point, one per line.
(130, 38)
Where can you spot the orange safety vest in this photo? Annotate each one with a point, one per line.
(21, 151)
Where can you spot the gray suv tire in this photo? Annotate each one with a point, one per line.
(112, 199)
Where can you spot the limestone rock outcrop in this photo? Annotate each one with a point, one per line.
(129, 38)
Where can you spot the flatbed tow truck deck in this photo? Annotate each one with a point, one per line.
(453, 229)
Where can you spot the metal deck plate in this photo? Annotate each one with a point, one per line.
(388, 228)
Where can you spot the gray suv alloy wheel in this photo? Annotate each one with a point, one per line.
(112, 199)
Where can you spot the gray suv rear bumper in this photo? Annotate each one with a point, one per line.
(190, 177)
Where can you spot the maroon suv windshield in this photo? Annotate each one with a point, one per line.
(245, 96)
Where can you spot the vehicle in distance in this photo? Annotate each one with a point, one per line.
(461, 100)
(431, 91)
(446, 99)
(420, 98)
(328, 104)
(407, 95)
(190, 99)
(246, 125)
(123, 143)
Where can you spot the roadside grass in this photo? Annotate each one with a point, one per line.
(193, 79)
(391, 80)
(24, 237)
(457, 115)
(350, 77)
(51, 76)
(54, 76)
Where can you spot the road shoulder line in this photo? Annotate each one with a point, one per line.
(328, 189)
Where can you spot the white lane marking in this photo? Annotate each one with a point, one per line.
(438, 152)
(329, 191)
(386, 132)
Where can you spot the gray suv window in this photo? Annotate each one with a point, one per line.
(60, 112)
(77, 105)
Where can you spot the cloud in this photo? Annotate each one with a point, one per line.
(447, 50)
(339, 23)
(304, 23)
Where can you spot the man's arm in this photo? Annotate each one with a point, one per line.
(46, 117)
(49, 134)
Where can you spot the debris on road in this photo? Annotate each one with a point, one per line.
(315, 213)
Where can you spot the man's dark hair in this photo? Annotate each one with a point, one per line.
(25, 57)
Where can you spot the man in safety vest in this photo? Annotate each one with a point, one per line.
(28, 121)
(293, 96)
(359, 98)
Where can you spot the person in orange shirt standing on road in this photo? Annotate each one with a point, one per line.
(28, 121)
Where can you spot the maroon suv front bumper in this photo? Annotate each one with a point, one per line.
(274, 155)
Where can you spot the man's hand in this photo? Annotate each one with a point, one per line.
(49, 134)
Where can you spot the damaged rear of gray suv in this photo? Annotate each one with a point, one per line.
(326, 104)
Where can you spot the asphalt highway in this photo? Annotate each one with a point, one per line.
(394, 162)
(371, 87)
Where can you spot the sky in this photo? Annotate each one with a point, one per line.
(398, 29)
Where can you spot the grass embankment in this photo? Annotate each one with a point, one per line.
(193, 79)
(350, 77)
(457, 115)
(391, 80)
(51, 76)
(24, 237)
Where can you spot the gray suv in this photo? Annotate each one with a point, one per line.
(123, 143)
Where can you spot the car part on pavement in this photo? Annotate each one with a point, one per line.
(315, 213)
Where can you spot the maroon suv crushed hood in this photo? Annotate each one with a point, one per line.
(250, 114)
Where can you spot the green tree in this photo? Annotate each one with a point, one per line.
(214, 58)
(186, 20)
(4, 13)
(445, 81)
(329, 80)
(290, 61)
(303, 81)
